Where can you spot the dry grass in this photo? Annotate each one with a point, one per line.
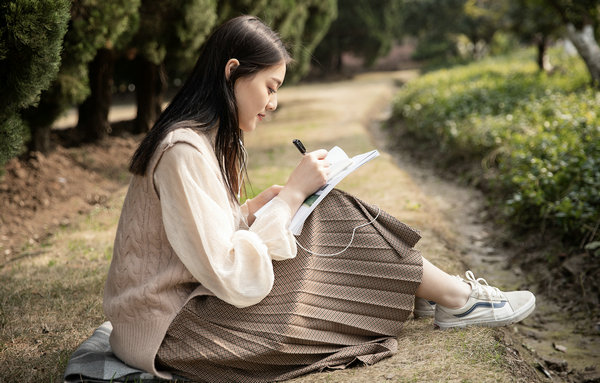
(52, 300)
(429, 355)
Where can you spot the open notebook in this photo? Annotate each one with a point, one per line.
(341, 166)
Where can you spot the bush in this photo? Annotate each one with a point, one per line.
(31, 35)
(537, 134)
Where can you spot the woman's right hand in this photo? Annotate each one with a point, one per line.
(308, 177)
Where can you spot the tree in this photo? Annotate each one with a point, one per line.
(435, 24)
(533, 21)
(30, 44)
(93, 112)
(227, 9)
(440, 26)
(364, 28)
(171, 30)
(92, 24)
(302, 24)
(480, 21)
(581, 19)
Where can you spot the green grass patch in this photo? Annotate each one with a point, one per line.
(534, 137)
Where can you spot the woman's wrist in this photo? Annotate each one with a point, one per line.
(292, 197)
(250, 209)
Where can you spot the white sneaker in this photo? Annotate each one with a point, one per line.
(487, 306)
(424, 308)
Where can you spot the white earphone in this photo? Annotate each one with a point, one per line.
(349, 243)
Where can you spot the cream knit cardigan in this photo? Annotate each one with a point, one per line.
(179, 236)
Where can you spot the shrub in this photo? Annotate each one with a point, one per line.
(538, 134)
(31, 36)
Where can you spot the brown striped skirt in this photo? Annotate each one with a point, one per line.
(323, 311)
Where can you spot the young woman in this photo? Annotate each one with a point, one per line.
(200, 287)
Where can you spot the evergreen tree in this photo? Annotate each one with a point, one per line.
(227, 9)
(121, 18)
(366, 28)
(170, 31)
(92, 24)
(302, 24)
(31, 35)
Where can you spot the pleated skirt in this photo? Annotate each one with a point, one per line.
(324, 312)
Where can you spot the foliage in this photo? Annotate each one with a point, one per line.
(227, 9)
(582, 21)
(30, 44)
(481, 20)
(577, 12)
(93, 24)
(454, 28)
(365, 28)
(536, 135)
(170, 35)
(533, 19)
(454, 31)
(13, 135)
(554, 167)
(174, 30)
(303, 29)
(302, 24)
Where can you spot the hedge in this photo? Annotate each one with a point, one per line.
(535, 136)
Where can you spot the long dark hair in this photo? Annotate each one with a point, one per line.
(207, 101)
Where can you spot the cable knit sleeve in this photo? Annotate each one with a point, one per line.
(235, 265)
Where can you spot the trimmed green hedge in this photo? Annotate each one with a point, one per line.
(536, 135)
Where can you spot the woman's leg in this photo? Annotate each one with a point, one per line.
(442, 288)
(461, 302)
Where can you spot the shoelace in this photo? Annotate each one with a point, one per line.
(481, 284)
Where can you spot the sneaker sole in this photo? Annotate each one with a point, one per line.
(423, 314)
(517, 316)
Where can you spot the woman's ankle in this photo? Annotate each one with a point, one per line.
(457, 298)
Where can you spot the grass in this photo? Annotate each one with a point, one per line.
(429, 355)
(51, 302)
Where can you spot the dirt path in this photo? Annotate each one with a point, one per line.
(568, 342)
(347, 114)
(457, 232)
(51, 288)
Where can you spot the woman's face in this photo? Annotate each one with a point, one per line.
(257, 94)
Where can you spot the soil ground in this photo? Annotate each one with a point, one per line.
(59, 213)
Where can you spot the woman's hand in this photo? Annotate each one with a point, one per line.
(308, 177)
(260, 200)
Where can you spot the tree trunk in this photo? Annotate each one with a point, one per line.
(40, 139)
(587, 47)
(40, 118)
(151, 84)
(338, 62)
(93, 122)
(543, 60)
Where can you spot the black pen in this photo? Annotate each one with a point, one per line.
(299, 145)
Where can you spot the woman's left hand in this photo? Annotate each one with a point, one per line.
(260, 200)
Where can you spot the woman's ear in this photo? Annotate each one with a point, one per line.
(231, 65)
